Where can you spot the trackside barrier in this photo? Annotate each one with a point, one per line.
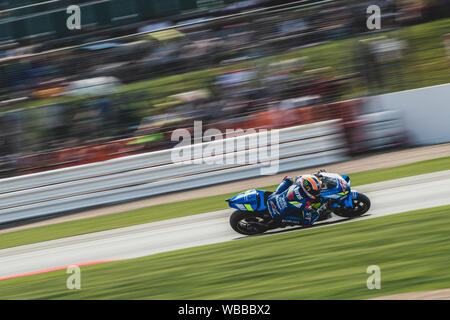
(269, 119)
(383, 130)
(149, 174)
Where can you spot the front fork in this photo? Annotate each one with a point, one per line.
(349, 200)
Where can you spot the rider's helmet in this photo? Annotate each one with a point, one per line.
(310, 185)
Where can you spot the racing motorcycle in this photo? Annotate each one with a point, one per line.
(252, 216)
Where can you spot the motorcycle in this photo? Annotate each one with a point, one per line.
(252, 216)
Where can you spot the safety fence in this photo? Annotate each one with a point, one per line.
(290, 114)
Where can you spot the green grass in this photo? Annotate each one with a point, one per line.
(412, 250)
(190, 207)
(422, 66)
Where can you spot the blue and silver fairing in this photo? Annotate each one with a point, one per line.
(338, 188)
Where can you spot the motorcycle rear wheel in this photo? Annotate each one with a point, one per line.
(241, 222)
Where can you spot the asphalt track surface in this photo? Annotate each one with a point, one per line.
(388, 197)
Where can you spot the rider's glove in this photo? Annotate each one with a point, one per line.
(322, 208)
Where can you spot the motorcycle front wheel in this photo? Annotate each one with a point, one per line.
(360, 206)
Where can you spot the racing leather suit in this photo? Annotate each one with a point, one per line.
(290, 202)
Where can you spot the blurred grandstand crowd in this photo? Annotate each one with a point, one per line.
(131, 78)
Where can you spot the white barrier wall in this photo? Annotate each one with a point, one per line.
(154, 173)
(425, 112)
(383, 130)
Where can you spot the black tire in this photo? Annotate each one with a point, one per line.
(360, 206)
(238, 216)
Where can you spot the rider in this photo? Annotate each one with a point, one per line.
(293, 197)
